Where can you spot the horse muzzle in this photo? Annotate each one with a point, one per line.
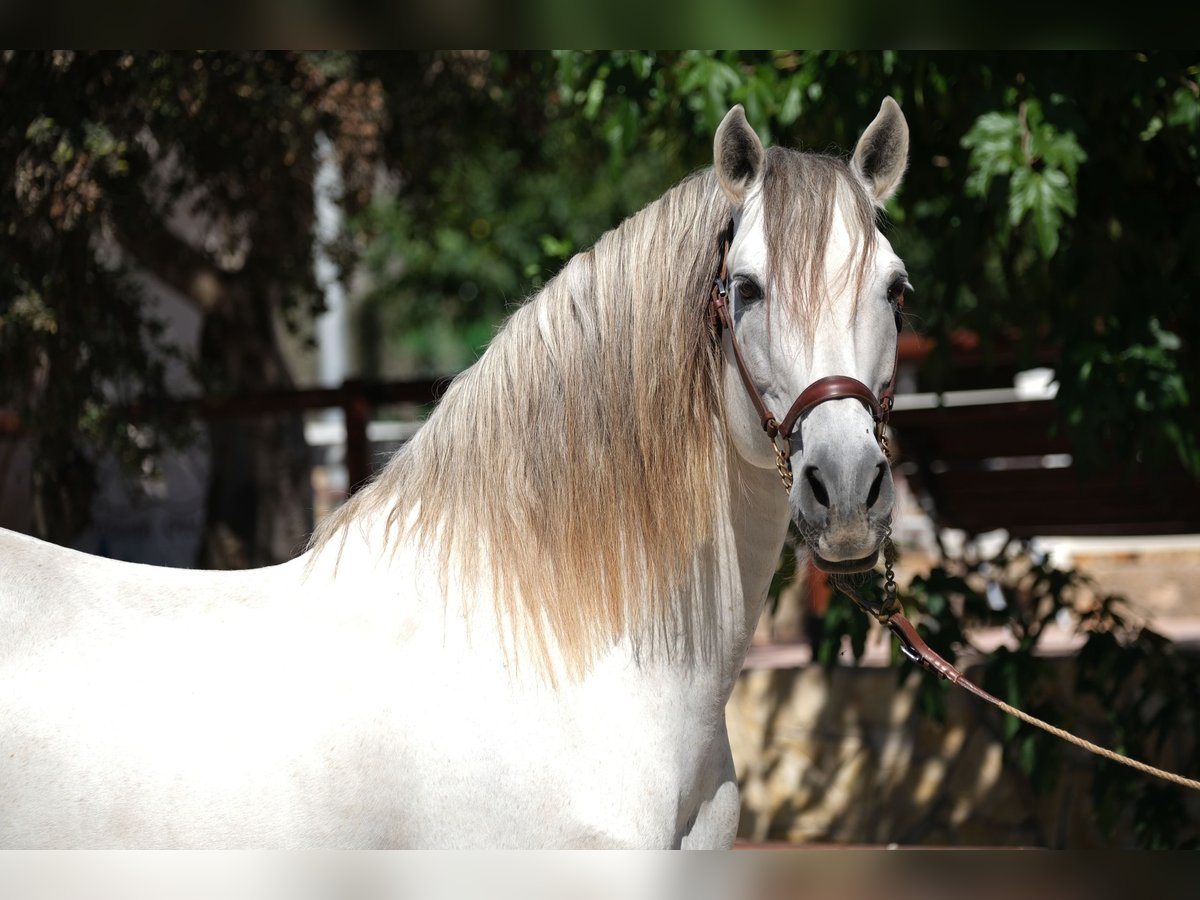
(842, 504)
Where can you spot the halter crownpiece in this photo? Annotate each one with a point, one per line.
(831, 387)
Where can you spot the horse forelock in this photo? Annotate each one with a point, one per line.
(803, 193)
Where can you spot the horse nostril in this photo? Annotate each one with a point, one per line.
(814, 484)
(876, 485)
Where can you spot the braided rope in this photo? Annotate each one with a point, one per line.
(917, 650)
(891, 616)
(1094, 748)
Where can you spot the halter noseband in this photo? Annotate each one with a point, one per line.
(831, 387)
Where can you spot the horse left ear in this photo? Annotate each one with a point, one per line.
(737, 155)
(882, 152)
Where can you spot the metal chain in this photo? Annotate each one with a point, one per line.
(891, 600)
(783, 465)
(882, 426)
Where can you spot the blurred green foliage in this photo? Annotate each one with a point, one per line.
(107, 161)
(1040, 163)
(1049, 207)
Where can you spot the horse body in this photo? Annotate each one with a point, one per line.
(285, 707)
(556, 679)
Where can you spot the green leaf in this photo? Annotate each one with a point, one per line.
(642, 63)
(1184, 109)
(1041, 161)
(595, 96)
(554, 247)
(793, 103)
(1045, 196)
(1058, 150)
(1047, 221)
(1022, 195)
(995, 144)
(40, 130)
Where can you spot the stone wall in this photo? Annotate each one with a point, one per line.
(847, 756)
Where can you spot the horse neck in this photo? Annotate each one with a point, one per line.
(757, 527)
(731, 584)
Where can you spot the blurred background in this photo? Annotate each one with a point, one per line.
(232, 283)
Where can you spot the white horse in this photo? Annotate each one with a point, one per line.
(525, 631)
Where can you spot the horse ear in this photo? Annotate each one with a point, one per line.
(882, 152)
(737, 155)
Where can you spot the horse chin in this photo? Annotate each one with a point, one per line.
(845, 566)
(841, 543)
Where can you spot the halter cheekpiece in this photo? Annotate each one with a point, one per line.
(831, 387)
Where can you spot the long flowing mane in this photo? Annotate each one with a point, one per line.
(581, 463)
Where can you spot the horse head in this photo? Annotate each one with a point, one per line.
(810, 294)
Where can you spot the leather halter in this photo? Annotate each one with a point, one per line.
(831, 387)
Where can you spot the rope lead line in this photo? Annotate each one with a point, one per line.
(1099, 751)
(917, 650)
(891, 615)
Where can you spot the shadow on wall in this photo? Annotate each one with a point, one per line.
(848, 756)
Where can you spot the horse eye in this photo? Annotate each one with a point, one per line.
(897, 291)
(896, 294)
(748, 289)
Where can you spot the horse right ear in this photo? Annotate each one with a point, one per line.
(738, 155)
(882, 152)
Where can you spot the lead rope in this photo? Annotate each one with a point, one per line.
(914, 647)
(891, 616)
